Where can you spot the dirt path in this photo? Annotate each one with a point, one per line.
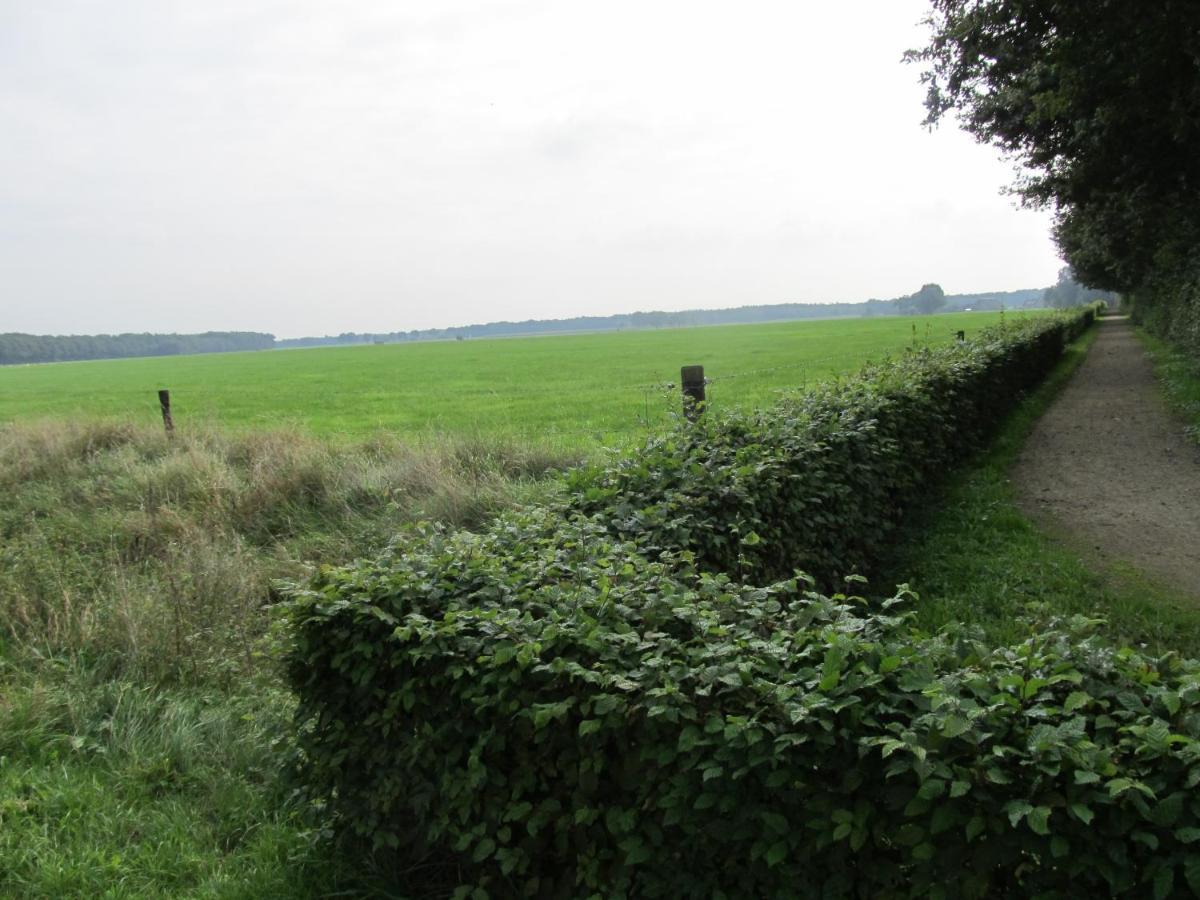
(1109, 466)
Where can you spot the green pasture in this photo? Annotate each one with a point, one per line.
(568, 389)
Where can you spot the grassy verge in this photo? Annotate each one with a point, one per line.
(973, 557)
(1179, 375)
(143, 729)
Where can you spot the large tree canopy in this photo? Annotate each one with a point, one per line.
(1100, 102)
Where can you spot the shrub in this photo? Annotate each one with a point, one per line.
(583, 699)
(570, 715)
(821, 481)
(1168, 305)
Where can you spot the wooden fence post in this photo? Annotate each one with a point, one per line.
(691, 378)
(164, 401)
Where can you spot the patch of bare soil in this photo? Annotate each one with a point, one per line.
(1109, 467)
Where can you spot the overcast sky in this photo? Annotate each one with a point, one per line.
(305, 167)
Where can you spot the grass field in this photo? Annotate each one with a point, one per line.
(572, 389)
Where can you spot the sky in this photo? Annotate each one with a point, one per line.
(309, 167)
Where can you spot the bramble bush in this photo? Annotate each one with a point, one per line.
(571, 708)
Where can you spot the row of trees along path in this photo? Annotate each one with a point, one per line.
(1110, 466)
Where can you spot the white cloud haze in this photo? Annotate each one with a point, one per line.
(313, 167)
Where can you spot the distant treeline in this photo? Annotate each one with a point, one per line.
(34, 348)
(741, 315)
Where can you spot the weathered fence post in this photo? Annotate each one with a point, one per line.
(164, 400)
(691, 378)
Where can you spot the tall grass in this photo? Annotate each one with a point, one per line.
(154, 558)
(144, 735)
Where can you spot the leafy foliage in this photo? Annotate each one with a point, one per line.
(1169, 305)
(572, 715)
(1100, 102)
(820, 481)
(578, 700)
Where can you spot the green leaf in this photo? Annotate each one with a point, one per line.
(635, 850)
(776, 822)
(589, 726)
(974, 828)
(1191, 872)
(1164, 883)
(1017, 810)
(931, 789)
(483, 850)
(1082, 813)
(891, 746)
(1118, 786)
(1076, 700)
(777, 853)
(831, 670)
(518, 811)
(954, 726)
(944, 817)
(1039, 818)
(688, 738)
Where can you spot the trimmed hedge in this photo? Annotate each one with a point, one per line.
(580, 701)
(820, 482)
(573, 718)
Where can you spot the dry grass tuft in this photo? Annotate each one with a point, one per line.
(155, 558)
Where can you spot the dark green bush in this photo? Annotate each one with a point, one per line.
(578, 702)
(820, 481)
(1169, 304)
(571, 718)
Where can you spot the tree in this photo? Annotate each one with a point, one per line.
(929, 299)
(1099, 100)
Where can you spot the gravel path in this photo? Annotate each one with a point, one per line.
(1109, 466)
